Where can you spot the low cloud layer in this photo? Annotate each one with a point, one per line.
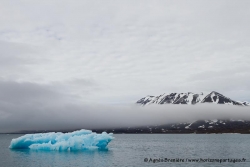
(29, 106)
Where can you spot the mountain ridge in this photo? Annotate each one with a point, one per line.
(190, 98)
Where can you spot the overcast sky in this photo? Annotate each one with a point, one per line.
(120, 51)
(61, 56)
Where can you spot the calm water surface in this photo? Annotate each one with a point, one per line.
(132, 149)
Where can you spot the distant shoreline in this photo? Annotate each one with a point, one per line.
(198, 127)
(137, 132)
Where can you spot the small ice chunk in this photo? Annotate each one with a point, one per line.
(215, 120)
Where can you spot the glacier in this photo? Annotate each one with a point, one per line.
(72, 141)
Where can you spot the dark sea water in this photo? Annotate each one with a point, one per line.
(133, 149)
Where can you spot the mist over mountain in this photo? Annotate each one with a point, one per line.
(190, 98)
(216, 125)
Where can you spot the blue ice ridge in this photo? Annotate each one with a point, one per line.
(77, 140)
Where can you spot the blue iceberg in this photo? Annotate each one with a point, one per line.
(77, 140)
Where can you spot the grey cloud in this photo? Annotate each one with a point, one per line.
(83, 82)
(120, 51)
(17, 93)
(16, 54)
(41, 107)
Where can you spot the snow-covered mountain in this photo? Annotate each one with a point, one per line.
(190, 98)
